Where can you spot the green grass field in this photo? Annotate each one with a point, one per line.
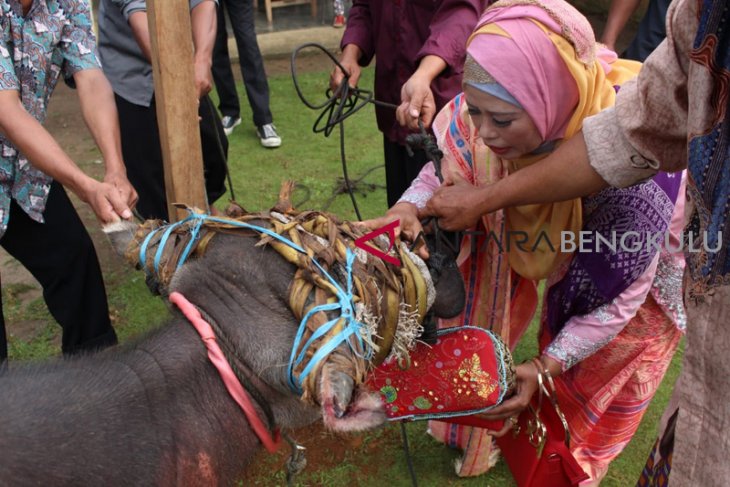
(313, 161)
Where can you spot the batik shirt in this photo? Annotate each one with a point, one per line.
(54, 37)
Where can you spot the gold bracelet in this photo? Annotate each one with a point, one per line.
(554, 398)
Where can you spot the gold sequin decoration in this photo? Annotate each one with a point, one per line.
(479, 381)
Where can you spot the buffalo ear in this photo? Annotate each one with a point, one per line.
(120, 234)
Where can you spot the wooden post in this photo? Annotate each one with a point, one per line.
(177, 104)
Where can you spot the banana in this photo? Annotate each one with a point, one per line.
(341, 249)
(360, 291)
(325, 284)
(299, 295)
(286, 251)
(420, 285)
(391, 310)
(409, 287)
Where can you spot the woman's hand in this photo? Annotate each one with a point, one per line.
(509, 410)
(456, 204)
(409, 226)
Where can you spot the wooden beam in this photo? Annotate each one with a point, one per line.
(177, 104)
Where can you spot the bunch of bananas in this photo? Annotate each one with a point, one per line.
(383, 292)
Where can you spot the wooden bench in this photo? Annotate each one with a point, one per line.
(272, 4)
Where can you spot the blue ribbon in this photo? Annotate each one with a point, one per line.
(345, 303)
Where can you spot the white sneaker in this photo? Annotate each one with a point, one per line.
(229, 123)
(268, 136)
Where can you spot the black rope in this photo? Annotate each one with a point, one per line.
(344, 102)
(339, 105)
(407, 452)
(218, 139)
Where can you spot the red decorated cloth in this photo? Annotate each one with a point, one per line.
(467, 371)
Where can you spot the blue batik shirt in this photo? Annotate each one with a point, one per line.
(54, 37)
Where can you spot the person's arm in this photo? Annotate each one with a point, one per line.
(617, 147)
(407, 209)
(42, 150)
(417, 102)
(648, 128)
(350, 61)
(135, 11)
(204, 24)
(357, 45)
(619, 13)
(141, 31)
(80, 61)
(445, 49)
(563, 175)
(581, 337)
(100, 114)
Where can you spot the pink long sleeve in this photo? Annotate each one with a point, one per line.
(584, 335)
(422, 188)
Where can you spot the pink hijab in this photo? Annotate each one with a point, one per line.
(528, 66)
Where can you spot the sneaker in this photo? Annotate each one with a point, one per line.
(339, 21)
(229, 123)
(268, 136)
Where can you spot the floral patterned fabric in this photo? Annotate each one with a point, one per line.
(54, 37)
(467, 371)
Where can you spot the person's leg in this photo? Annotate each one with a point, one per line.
(701, 441)
(652, 31)
(225, 84)
(241, 14)
(143, 157)
(604, 397)
(339, 9)
(400, 168)
(61, 256)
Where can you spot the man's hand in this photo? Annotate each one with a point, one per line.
(105, 200)
(126, 191)
(457, 205)
(349, 61)
(203, 78)
(417, 100)
(417, 103)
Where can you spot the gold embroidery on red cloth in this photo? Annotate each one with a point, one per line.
(479, 381)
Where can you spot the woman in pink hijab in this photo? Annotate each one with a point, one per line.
(611, 317)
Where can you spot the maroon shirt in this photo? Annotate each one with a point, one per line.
(399, 33)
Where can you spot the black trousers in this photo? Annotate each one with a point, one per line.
(400, 168)
(241, 14)
(651, 32)
(143, 154)
(61, 256)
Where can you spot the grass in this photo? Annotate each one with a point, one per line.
(313, 161)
